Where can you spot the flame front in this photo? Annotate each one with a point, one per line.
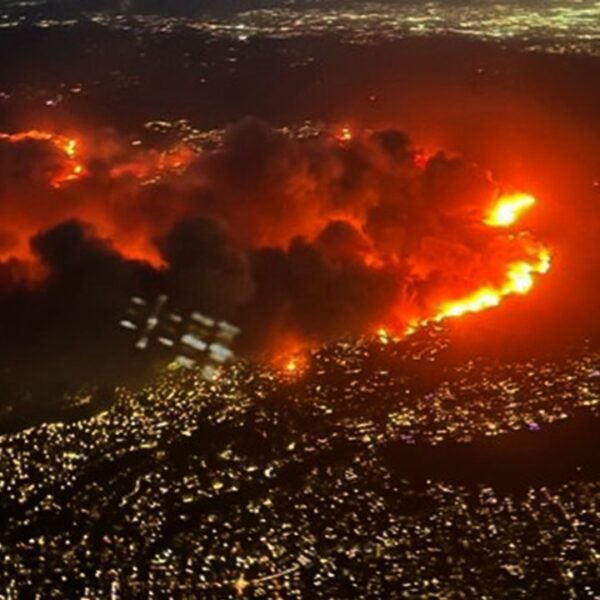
(520, 275)
(520, 279)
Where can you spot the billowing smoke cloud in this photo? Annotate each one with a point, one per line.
(291, 239)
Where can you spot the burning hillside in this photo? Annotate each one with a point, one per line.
(301, 240)
(520, 275)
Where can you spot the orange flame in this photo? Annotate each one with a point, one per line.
(519, 280)
(68, 146)
(147, 166)
(384, 335)
(292, 361)
(520, 275)
(291, 366)
(345, 135)
(508, 210)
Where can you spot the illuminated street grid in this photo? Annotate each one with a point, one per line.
(276, 484)
(554, 25)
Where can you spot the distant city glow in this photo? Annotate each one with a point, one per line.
(555, 26)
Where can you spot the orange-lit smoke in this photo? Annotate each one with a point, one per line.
(362, 230)
(68, 146)
(519, 277)
(67, 196)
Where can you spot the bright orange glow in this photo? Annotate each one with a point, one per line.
(147, 166)
(22, 136)
(289, 354)
(73, 170)
(383, 335)
(292, 365)
(520, 275)
(70, 148)
(462, 274)
(508, 209)
(345, 135)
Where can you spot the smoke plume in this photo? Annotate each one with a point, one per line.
(300, 240)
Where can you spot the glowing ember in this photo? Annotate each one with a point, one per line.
(293, 363)
(383, 335)
(70, 148)
(508, 210)
(345, 135)
(291, 366)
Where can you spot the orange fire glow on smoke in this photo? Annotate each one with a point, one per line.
(69, 146)
(128, 170)
(519, 279)
(145, 166)
(520, 275)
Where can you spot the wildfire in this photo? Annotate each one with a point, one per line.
(74, 168)
(291, 366)
(508, 210)
(292, 362)
(384, 335)
(345, 135)
(519, 279)
(520, 275)
(354, 243)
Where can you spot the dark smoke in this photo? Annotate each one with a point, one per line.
(289, 239)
